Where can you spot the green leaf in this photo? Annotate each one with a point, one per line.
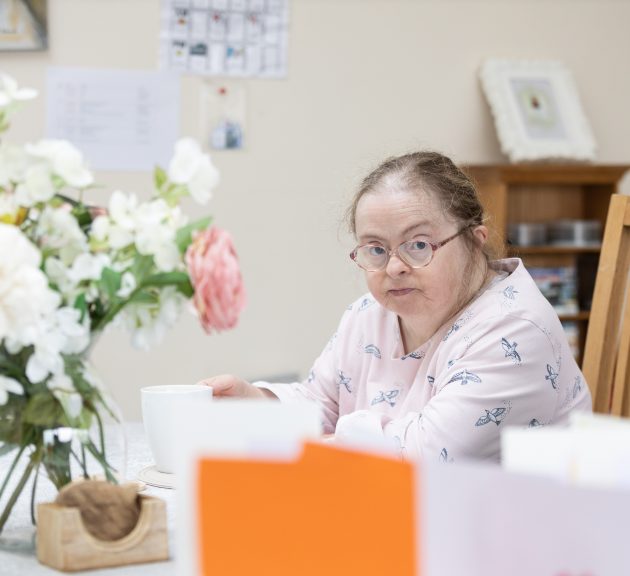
(160, 177)
(174, 193)
(178, 279)
(142, 297)
(83, 216)
(184, 235)
(111, 281)
(84, 420)
(11, 421)
(186, 288)
(141, 267)
(166, 279)
(80, 304)
(43, 409)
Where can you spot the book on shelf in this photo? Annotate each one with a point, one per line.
(559, 286)
(572, 332)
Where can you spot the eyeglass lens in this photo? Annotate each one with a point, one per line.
(414, 253)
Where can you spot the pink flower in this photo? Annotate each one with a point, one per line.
(216, 277)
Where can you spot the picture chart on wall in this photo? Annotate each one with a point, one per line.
(241, 38)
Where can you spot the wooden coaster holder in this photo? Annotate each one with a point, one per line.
(63, 542)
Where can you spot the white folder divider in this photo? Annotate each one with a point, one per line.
(593, 451)
(254, 429)
(484, 521)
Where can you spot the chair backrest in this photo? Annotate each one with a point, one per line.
(606, 366)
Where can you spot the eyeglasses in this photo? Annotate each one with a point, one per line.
(414, 253)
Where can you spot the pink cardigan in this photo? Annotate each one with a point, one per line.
(503, 362)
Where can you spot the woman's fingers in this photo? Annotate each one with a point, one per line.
(229, 386)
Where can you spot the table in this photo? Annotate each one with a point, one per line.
(21, 560)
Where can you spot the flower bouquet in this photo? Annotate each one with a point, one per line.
(67, 270)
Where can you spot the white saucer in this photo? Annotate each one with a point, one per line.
(152, 476)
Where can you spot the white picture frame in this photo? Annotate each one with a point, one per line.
(537, 111)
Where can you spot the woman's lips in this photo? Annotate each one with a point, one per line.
(400, 291)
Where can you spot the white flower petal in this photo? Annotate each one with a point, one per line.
(185, 161)
(9, 385)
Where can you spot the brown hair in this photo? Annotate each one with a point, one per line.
(433, 172)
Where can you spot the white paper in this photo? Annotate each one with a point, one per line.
(483, 521)
(595, 454)
(122, 120)
(257, 429)
(246, 37)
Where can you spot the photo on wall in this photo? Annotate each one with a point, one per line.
(23, 24)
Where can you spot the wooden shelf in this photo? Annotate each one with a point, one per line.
(580, 316)
(546, 193)
(551, 250)
(543, 173)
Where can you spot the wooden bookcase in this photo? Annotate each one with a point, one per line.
(547, 193)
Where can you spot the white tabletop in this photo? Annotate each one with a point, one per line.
(20, 559)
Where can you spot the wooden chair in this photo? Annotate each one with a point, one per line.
(606, 363)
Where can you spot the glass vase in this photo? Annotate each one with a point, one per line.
(51, 438)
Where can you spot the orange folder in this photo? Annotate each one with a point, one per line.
(332, 512)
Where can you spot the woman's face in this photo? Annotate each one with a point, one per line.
(390, 217)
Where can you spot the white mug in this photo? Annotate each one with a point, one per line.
(160, 407)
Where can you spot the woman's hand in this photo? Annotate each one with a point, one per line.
(229, 386)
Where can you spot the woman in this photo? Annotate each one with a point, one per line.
(448, 347)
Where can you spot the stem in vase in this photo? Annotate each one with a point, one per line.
(18, 489)
(10, 472)
(35, 478)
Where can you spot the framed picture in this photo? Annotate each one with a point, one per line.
(537, 111)
(23, 25)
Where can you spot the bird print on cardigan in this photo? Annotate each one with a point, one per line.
(388, 397)
(495, 415)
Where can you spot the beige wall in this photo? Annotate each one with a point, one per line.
(367, 78)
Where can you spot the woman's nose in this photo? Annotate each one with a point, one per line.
(395, 266)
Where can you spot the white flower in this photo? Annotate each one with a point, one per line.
(36, 186)
(60, 333)
(204, 181)
(156, 227)
(9, 385)
(59, 275)
(46, 358)
(149, 324)
(13, 163)
(100, 228)
(9, 91)
(62, 387)
(65, 160)
(25, 298)
(122, 208)
(117, 228)
(194, 169)
(127, 285)
(58, 229)
(8, 208)
(88, 266)
(76, 333)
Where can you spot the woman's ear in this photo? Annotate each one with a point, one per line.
(481, 234)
